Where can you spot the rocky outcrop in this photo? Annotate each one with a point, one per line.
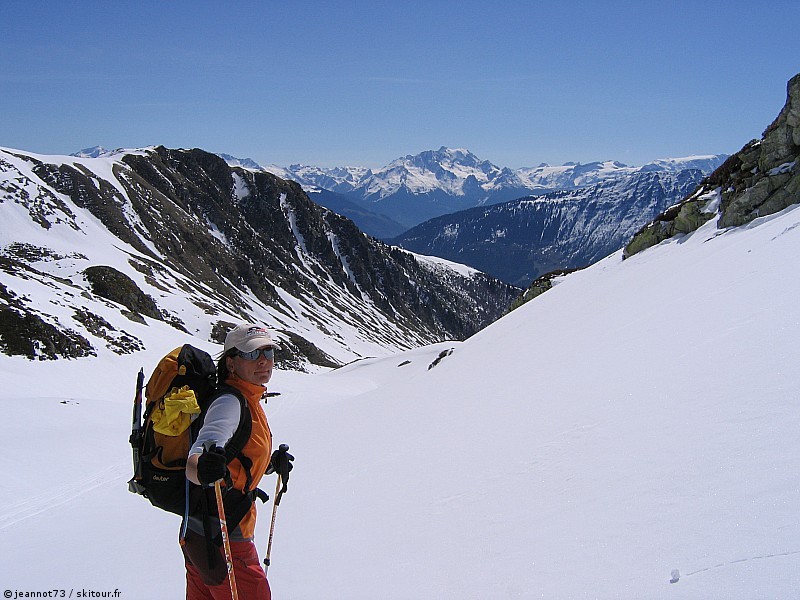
(539, 286)
(761, 179)
(110, 284)
(683, 217)
(768, 178)
(26, 333)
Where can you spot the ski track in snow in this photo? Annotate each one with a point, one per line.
(54, 497)
(677, 576)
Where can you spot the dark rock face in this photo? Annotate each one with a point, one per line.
(768, 176)
(109, 283)
(761, 179)
(272, 222)
(25, 333)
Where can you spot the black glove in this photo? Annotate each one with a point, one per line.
(281, 463)
(212, 465)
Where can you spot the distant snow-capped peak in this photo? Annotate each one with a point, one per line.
(704, 162)
(459, 172)
(247, 163)
(456, 158)
(456, 171)
(342, 180)
(94, 152)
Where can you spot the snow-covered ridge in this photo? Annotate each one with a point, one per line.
(100, 152)
(442, 263)
(575, 175)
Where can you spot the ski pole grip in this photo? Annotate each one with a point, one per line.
(283, 447)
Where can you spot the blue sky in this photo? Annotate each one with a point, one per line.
(362, 83)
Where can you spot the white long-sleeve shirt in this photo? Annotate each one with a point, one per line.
(222, 419)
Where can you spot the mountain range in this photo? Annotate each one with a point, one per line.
(520, 240)
(415, 188)
(157, 237)
(584, 211)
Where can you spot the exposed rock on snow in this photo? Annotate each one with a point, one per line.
(761, 179)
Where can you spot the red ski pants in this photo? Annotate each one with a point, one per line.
(251, 582)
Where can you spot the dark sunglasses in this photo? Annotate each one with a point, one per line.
(268, 353)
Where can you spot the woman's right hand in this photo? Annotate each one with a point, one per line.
(212, 466)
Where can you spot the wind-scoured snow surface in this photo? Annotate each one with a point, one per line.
(635, 425)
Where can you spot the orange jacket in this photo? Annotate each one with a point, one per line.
(258, 448)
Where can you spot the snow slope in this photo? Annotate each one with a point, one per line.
(635, 425)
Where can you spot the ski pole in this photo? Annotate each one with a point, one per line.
(223, 525)
(277, 501)
(272, 524)
(136, 435)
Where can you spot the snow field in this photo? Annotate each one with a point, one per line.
(638, 419)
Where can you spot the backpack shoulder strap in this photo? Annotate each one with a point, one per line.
(234, 447)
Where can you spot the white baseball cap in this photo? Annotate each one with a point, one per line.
(249, 337)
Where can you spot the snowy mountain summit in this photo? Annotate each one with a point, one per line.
(455, 171)
(93, 152)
